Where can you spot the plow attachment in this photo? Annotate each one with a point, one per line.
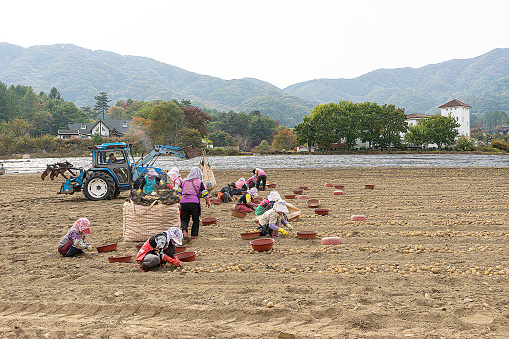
(54, 170)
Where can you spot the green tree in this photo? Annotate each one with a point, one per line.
(392, 124)
(370, 124)
(64, 114)
(440, 130)
(115, 112)
(235, 123)
(101, 103)
(416, 135)
(263, 146)
(17, 127)
(163, 123)
(260, 128)
(221, 139)
(43, 121)
(189, 136)
(305, 132)
(54, 94)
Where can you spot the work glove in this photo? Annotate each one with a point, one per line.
(161, 182)
(282, 231)
(171, 260)
(139, 191)
(169, 186)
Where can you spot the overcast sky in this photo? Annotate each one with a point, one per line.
(282, 42)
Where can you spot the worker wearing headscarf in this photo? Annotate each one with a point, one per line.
(73, 242)
(245, 203)
(271, 221)
(191, 190)
(268, 202)
(150, 180)
(174, 175)
(160, 249)
(240, 187)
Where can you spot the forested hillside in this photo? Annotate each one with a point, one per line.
(482, 82)
(79, 74)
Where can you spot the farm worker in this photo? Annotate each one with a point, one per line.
(149, 182)
(240, 186)
(225, 193)
(245, 203)
(261, 176)
(174, 175)
(73, 242)
(271, 220)
(191, 190)
(160, 249)
(268, 203)
(251, 182)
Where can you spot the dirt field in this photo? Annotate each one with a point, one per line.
(431, 261)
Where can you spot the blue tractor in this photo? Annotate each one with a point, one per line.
(114, 169)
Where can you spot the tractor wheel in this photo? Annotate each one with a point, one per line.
(116, 193)
(99, 186)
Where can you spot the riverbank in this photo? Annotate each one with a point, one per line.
(430, 260)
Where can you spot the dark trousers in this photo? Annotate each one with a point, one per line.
(263, 180)
(153, 260)
(188, 210)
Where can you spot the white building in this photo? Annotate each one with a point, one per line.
(460, 112)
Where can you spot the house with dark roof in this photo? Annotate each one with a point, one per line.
(109, 128)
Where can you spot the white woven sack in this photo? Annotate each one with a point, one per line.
(208, 175)
(141, 222)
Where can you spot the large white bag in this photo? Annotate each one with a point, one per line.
(141, 222)
(208, 175)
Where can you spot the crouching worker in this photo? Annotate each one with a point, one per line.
(160, 249)
(271, 221)
(268, 202)
(225, 193)
(73, 242)
(150, 180)
(245, 203)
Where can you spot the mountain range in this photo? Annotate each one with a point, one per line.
(79, 74)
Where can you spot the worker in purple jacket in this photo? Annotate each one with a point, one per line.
(191, 190)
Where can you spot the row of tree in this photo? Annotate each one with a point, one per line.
(345, 123)
(46, 113)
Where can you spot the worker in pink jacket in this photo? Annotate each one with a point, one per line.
(261, 176)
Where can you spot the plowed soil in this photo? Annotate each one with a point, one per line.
(430, 261)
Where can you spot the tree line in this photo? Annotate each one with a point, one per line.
(26, 116)
(344, 124)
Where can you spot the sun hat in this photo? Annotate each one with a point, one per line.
(280, 206)
(151, 173)
(274, 196)
(173, 173)
(175, 234)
